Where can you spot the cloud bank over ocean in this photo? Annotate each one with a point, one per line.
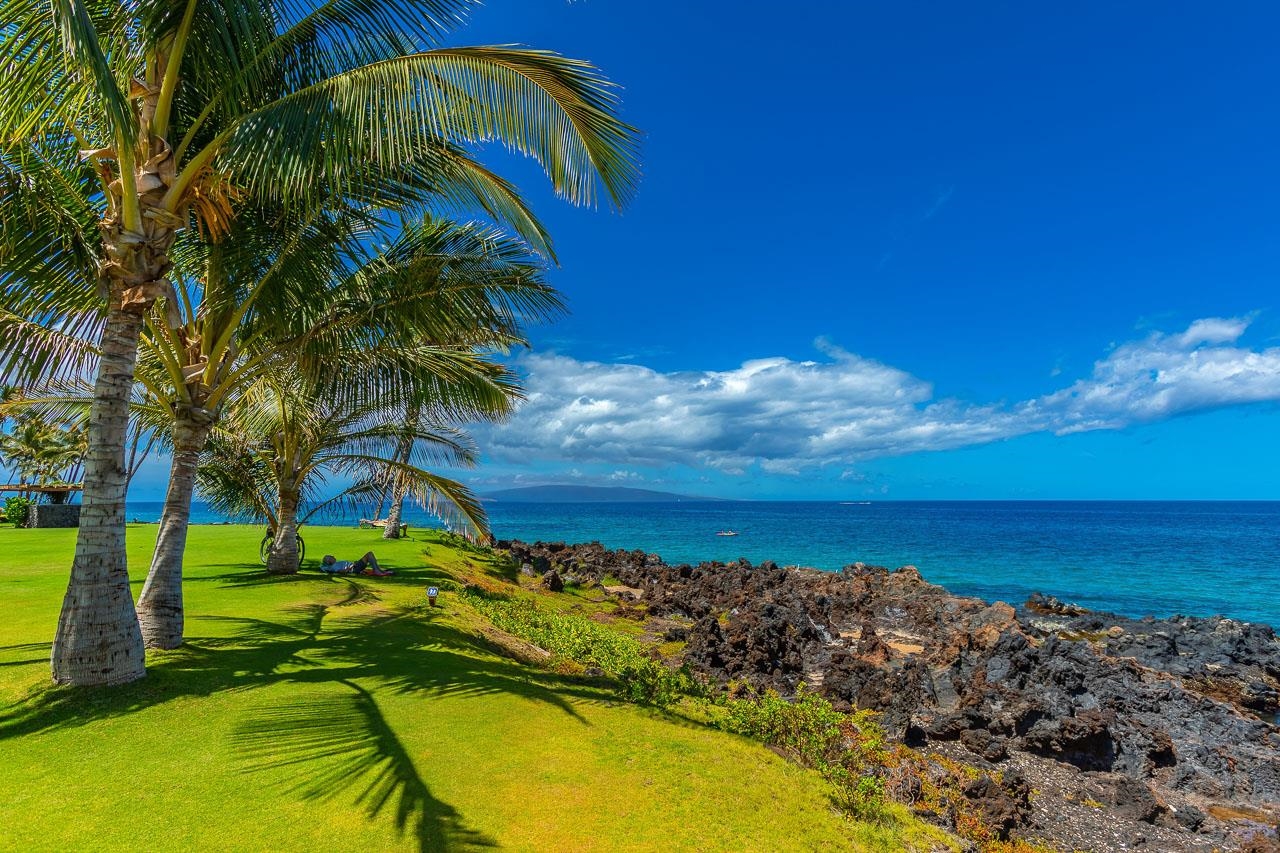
(787, 416)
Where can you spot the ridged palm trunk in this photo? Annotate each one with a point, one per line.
(392, 530)
(284, 551)
(160, 605)
(98, 639)
(404, 450)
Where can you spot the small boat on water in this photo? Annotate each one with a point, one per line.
(727, 533)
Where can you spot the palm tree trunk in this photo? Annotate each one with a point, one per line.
(284, 551)
(160, 605)
(404, 452)
(98, 639)
(392, 530)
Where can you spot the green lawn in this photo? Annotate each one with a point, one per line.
(321, 713)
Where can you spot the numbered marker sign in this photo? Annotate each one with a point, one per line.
(433, 591)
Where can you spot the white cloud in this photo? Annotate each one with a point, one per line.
(1213, 330)
(1167, 375)
(786, 416)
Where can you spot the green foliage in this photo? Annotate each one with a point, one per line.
(807, 728)
(578, 639)
(42, 450)
(458, 542)
(849, 750)
(866, 772)
(15, 510)
(282, 435)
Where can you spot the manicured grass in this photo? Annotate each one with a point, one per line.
(328, 713)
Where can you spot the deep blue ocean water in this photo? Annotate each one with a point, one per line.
(1135, 558)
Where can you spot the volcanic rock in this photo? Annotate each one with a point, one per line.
(1155, 720)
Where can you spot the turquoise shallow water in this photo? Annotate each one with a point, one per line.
(1135, 558)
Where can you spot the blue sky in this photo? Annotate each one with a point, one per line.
(915, 250)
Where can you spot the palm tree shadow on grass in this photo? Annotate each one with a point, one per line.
(350, 748)
(249, 575)
(18, 649)
(392, 648)
(26, 662)
(344, 738)
(406, 650)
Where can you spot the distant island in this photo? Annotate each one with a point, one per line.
(588, 494)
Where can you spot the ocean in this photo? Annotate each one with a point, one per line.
(1130, 557)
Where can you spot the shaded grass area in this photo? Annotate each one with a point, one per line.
(317, 712)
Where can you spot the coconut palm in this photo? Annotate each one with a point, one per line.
(43, 452)
(277, 453)
(399, 488)
(124, 123)
(64, 457)
(329, 306)
(25, 448)
(326, 302)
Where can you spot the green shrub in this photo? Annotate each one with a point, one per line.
(15, 510)
(576, 638)
(849, 750)
(458, 542)
(807, 728)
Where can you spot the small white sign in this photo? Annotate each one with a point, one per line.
(432, 591)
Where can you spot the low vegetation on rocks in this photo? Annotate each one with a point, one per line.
(867, 773)
(1076, 729)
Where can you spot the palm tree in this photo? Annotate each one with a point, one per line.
(399, 488)
(326, 303)
(25, 447)
(143, 118)
(64, 463)
(67, 404)
(281, 446)
(42, 452)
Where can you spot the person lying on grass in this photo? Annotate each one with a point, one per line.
(366, 565)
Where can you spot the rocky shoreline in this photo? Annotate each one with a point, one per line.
(1122, 733)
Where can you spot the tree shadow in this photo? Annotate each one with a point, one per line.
(24, 647)
(253, 576)
(17, 653)
(27, 662)
(339, 658)
(256, 576)
(350, 747)
(391, 648)
(407, 650)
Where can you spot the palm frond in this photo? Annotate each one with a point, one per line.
(300, 43)
(49, 307)
(234, 480)
(557, 110)
(48, 92)
(80, 41)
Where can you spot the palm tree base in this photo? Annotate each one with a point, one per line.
(162, 626)
(98, 642)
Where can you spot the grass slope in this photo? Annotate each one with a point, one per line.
(317, 712)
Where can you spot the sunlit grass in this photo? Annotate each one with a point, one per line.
(322, 713)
